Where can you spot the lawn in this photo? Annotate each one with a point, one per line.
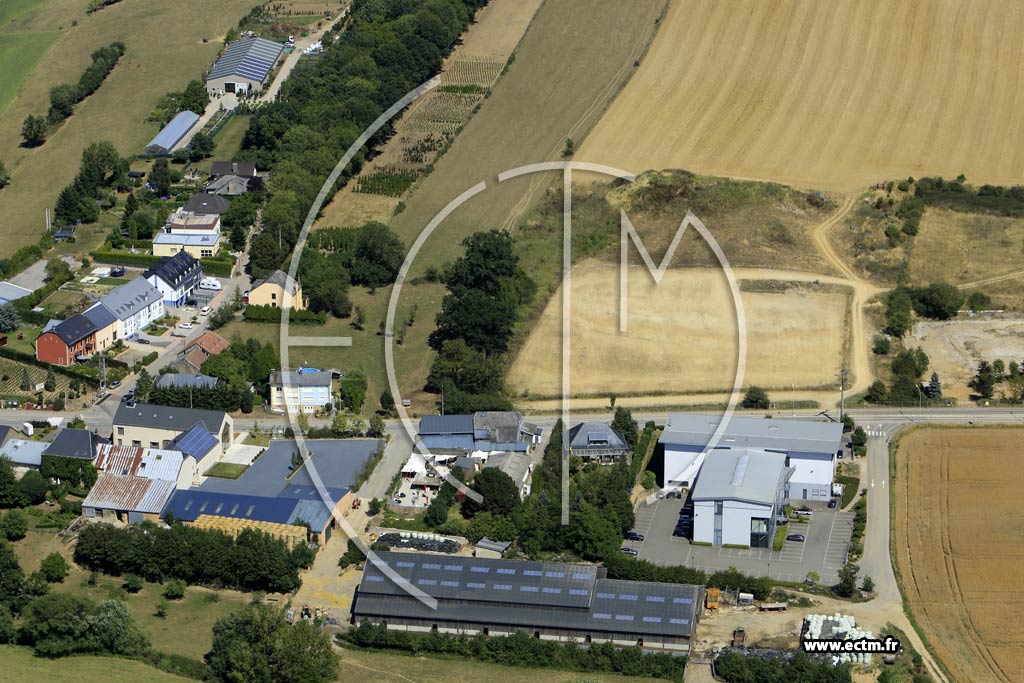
(229, 138)
(19, 52)
(168, 44)
(387, 667)
(412, 360)
(227, 470)
(186, 630)
(21, 666)
(12, 9)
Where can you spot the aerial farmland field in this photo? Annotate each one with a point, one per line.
(957, 541)
(830, 95)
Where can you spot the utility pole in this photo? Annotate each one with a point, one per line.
(103, 375)
(842, 393)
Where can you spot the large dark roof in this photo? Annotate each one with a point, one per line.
(74, 329)
(100, 316)
(197, 442)
(243, 169)
(599, 436)
(446, 424)
(167, 417)
(523, 594)
(174, 270)
(73, 443)
(293, 504)
(251, 58)
(207, 204)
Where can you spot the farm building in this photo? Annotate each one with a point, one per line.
(809, 446)
(67, 342)
(106, 325)
(176, 277)
(738, 496)
(597, 442)
(517, 466)
(171, 380)
(171, 134)
(78, 444)
(244, 66)
(24, 453)
(127, 499)
(570, 603)
(156, 426)
(494, 550)
(279, 290)
(305, 390)
(150, 463)
(135, 305)
(461, 432)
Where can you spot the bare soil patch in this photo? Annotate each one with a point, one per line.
(959, 557)
(834, 95)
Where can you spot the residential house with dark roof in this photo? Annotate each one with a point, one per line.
(176, 277)
(135, 304)
(207, 204)
(154, 426)
(67, 341)
(106, 326)
(517, 466)
(78, 444)
(303, 390)
(597, 442)
(242, 169)
(570, 603)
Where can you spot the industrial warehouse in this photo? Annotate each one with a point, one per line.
(571, 603)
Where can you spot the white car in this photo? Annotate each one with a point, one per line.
(210, 283)
(185, 326)
(206, 310)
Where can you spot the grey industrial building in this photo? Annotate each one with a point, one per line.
(572, 603)
(243, 67)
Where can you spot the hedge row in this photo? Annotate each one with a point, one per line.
(641, 449)
(218, 267)
(22, 357)
(272, 314)
(211, 266)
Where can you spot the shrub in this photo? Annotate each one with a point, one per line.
(54, 568)
(132, 583)
(174, 590)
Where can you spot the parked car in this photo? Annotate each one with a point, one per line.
(185, 325)
(681, 531)
(206, 310)
(797, 538)
(833, 503)
(634, 536)
(629, 551)
(115, 384)
(191, 302)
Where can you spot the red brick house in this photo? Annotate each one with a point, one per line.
(64, 342)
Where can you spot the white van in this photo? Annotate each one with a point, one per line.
(210, 283)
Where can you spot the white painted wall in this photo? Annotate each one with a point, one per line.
(736, 516)
(681, 466)
(813, 473)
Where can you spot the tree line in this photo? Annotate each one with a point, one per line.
(101, 167)
(738, 668)
(990, 376)
(384, 51)
(521, 650)
(252, 561)
(64, 97)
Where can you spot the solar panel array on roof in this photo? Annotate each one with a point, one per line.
(531, 595)
(196, 442)
(251, 58)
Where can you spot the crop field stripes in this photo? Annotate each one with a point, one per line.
(474, 70)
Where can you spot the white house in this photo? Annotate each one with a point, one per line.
(305, 389)
(135, 305)
(738, 496)
(176, 277)
(809, 446)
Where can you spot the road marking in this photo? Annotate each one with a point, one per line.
(883, 483)
(320, 341)
(872, 483)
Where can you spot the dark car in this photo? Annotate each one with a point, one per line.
(681, 531)
(634, 536)
(797, 538)
(143, 340)
(191, 302)
(833, 503)
(115, 384)
(629, 551)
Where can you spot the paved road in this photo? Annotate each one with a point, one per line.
(876, 561)
(34, 277)
(270, 94)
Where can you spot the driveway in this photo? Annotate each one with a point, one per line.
(34, 276)
(824, 551)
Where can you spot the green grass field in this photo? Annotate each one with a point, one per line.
(367, 350)
(21, 666)
(229, 139)
(19, 52)
(165, 50)
(227, 470)
(12, 9)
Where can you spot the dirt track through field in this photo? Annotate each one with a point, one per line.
(958, 547)
(830, 95)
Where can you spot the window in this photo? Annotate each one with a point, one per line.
(718, 507)
(120, 431)
(205, 253)
(136, 442)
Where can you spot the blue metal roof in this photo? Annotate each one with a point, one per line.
(314, 512)
(447, 424)
(173, 132)
(188, 505)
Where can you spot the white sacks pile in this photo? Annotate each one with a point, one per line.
(837, 627)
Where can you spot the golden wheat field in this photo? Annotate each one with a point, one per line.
(831, 95)
(681, 335)
(958, 546)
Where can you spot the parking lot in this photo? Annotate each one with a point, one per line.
(824, 550)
